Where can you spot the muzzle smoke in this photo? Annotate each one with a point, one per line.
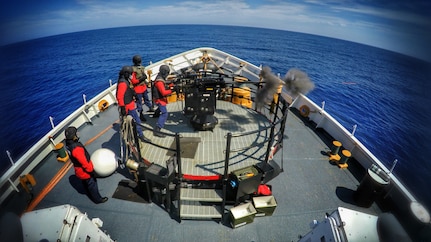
(266, 93)
(295, 81)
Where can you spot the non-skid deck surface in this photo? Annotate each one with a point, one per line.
(130, 191)
(189, 146)
(204, 152)
(308, 188)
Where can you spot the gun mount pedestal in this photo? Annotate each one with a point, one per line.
(200, 99)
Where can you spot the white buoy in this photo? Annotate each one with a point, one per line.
(104, 162)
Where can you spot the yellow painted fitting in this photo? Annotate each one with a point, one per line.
(63, 159)
(275, 96)
(103, 105)
(345, 155)
(240, 79)
(27, 181)
(343, 166)
(242, 96)
(62, 154)
(336, 145)
(335, 157)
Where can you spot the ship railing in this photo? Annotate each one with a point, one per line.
(46, 145)
(397, 192)
(276, 115)
(273, 141)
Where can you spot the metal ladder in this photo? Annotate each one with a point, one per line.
(200, 203)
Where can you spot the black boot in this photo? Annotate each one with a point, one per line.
(141, 116)
(157, 133)
(144, 139)
(156, 113)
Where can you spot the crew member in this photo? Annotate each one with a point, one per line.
(140, 83)
(126, 99)
(161, 91)
(83, 165)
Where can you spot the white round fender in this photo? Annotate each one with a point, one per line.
(104, 162)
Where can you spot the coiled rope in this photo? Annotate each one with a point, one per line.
(127, 134)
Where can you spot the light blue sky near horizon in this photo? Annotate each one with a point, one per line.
(397, 25)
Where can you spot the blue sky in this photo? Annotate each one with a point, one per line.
(399, 25)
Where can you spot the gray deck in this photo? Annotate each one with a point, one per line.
(309, 187)
(208, 158)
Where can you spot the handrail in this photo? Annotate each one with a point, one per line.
(340, 133)
(230, 136)
(225, 173)
(32, 157)
(276, 121)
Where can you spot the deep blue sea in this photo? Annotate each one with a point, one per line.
(386, 94)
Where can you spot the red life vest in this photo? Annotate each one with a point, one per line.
(161, 91)
(125, 94)
(80, 159)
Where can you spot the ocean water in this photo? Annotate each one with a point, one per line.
(384, 93)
